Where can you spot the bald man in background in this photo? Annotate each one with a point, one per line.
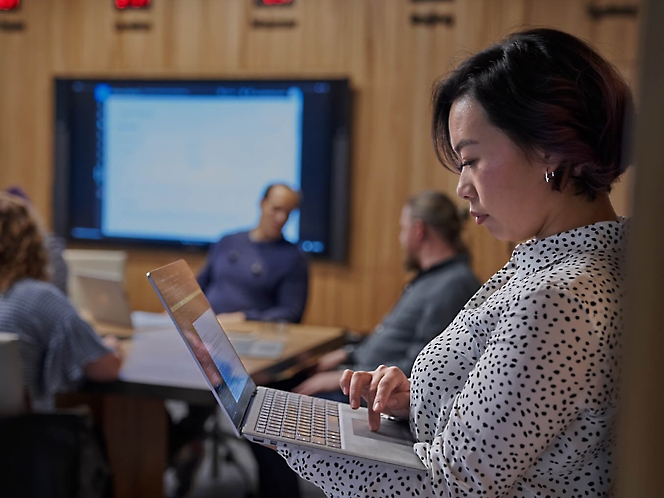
(249, 275)
(257, 274)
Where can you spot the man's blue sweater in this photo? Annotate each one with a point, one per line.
(268, 281)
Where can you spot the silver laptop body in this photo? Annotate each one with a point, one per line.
(105, 297)
(346, 431)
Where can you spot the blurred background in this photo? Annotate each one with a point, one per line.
(389, 51)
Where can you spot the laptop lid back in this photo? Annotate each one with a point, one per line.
(105, 297)
(190, 310)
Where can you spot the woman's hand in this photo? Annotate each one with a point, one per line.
(386, 390)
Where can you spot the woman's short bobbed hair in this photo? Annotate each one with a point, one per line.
(549, 92)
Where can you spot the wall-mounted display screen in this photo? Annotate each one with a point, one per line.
(180, 163)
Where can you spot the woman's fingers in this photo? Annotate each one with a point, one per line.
(386, 393)
(390, 381)
(374, 403)
(359, 388)
(386, 389)
(344, 382)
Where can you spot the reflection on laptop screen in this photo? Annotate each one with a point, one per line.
(181, 295)
(220, 350)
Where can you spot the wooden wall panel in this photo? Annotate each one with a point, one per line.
(616, 38)
(392, 64)
(568, 15)
(25, 107)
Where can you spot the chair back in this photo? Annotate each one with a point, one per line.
(12, 390)
(52, 455)
(45, 455)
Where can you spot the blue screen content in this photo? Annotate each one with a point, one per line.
(159, 148)
(180, 163)
(222, 353)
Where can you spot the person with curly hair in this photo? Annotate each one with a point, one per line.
(58, 349)
(54, 245)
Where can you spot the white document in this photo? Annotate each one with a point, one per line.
(160, 356)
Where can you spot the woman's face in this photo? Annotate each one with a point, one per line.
(507, 191)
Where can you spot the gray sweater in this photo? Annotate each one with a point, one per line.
(426, 307)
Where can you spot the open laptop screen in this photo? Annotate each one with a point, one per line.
(215, 349)
(190, 310)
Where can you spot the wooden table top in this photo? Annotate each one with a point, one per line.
(303, 345)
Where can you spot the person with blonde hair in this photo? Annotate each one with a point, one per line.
(58, 349)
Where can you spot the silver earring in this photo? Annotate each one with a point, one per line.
(548, 177)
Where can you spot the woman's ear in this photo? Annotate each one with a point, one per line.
(549, 160)
(542, 160)
(549, 164)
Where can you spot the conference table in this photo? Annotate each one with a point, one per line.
(158, 366)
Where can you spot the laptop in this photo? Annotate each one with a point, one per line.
(105, 297)
(106, 300)
(264, 415)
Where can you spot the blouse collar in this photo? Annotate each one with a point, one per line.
(536, 254)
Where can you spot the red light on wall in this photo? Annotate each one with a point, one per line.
(131, 4)
(272, 3)
(9, 4)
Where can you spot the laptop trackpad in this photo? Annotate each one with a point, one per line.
(390, 431)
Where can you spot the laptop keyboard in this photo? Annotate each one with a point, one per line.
(301, 418)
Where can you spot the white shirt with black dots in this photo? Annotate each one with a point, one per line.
(518, 397)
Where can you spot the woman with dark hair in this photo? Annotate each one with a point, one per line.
(519, 395)
(58, 349)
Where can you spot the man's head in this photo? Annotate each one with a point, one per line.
(276, 205)
(430, 230)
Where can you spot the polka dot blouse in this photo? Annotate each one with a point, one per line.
(518, 396)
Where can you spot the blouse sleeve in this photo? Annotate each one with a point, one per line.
(531, 382)
(538, 372)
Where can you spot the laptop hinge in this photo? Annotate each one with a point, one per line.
(246, 412)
